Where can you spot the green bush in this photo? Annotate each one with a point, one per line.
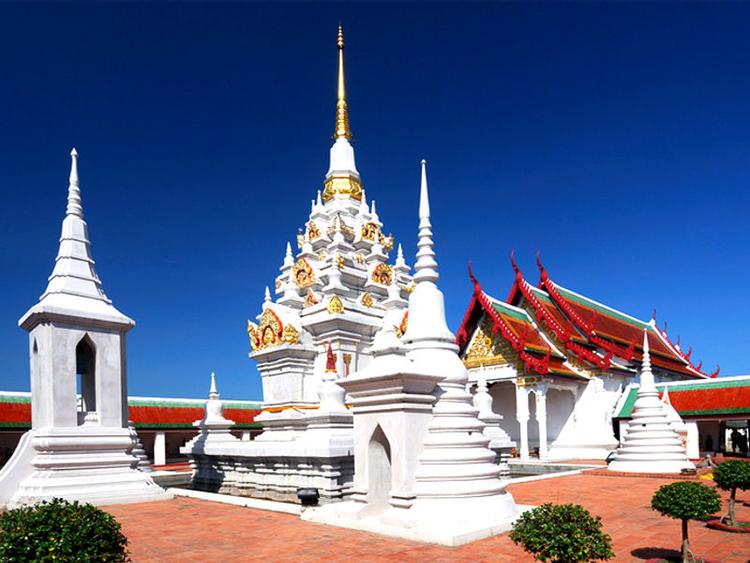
(730, 476)
(61, 531)
(562, 533)
(686, 500)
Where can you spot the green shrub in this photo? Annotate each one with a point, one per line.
(686, 500)
(730, 476)
(562, 533)
(61, 531)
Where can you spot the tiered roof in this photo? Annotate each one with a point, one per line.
(587, 333)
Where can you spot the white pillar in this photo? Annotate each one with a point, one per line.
(160, 448)
(693, 440)
(541, 419)
(522, 416)
(245, 436)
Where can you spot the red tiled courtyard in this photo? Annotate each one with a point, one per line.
(195, 530)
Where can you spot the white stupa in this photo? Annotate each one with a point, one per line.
(423, 466)
(651, 444)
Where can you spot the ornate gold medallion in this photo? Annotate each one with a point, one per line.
(335, 305)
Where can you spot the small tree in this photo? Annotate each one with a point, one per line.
(730, 476)
(562, 533)
(61, 531)
(686, 500)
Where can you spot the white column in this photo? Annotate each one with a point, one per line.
(522, 416)
(160, 448)
(693, 441)
(541, 419)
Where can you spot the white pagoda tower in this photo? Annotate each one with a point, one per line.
(79, 446)
(651, 444)
(332, 296)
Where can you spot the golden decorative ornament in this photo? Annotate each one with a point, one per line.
(487, 348)
(335, 305)
(409, 287)
(367, 299)
(310, 299)
(401, 329)
(312, 231)
(359, 258)
(387, 243)
(370, 231)
(252, 332)
(290, 335)
(382, 274)
(300, 241)
(303, 274)
(278, 284)
(267, 333)
(322, 255)
(344, 186)
(340, 262)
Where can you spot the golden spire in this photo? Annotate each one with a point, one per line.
(342, 115)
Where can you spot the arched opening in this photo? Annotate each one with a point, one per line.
(85, 378)
(378, 469)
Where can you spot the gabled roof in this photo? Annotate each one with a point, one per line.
(537, 352)
(597, 335)
(713, 397)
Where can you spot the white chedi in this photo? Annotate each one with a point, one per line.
(213, 426)
(651, 444)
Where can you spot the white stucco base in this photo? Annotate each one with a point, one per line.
(85, 464)
(449, 522)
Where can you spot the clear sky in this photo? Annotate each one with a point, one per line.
(611, 137)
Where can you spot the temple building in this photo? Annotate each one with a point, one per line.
(573, 354)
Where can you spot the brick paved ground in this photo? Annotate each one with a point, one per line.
(193, 530)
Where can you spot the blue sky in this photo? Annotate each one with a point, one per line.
(611, 137)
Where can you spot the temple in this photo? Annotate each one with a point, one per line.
(332, 295)
(573, 354)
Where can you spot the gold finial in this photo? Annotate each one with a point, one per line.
(342, 115)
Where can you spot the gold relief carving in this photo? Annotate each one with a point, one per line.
(267, 333)
(312, 231)
(371, 231)
(409, 287)
(343, 186)
(289, 335)
(310, 299)
(487, 348)
(335, 305)
(303, 274)
(386, 242)
(322, 255)
(359, 258)
(401, 329)
(382, 274)
(278, 284)
(340, 262)
(367, 300)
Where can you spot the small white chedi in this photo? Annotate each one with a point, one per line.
(423, 466)
(651, 443)
(80, 445)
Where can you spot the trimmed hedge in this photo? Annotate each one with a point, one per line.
(61, 531)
